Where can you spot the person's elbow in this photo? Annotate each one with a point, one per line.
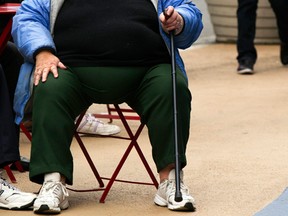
(192, 30)
(187, 39)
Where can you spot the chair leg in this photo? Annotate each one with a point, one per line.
(89, 160)
(109, 113)
(144, 161)
(135, 143)
(132, 144)
(85, 152)
(26, 132)
(10, 174)
(19, 166)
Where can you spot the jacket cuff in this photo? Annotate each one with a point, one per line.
(46, 48)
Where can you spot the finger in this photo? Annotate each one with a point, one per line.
(171, 26)
(61, 65)
(54, 71)
(37, 76)
(45, 74)
(168, 12)
(162, 18)
(36, 81)
(166, 15)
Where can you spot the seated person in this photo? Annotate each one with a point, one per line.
(79, 54)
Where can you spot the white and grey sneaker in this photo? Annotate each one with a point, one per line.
(52, 198)
(166, 194)
(91, 125)
(13, 198)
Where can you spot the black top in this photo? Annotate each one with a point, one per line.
(109, 33)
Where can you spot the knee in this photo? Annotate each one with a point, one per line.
(49, 89)
(165, 92)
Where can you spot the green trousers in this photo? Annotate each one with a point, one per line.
(148, 90)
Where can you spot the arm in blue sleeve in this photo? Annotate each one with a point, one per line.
(31, 28)
(192, 25)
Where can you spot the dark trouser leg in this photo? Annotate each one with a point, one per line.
(154, 102)
(56, 104)
(280, 8)
(246, 15)
(9, 142)
(11, 61)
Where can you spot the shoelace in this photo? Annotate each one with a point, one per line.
(53, 188)
(91, 120)
(172, 187)
(5, 183)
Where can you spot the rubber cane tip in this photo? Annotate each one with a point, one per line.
(178, 197)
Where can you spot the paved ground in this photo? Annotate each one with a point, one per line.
(237, 150)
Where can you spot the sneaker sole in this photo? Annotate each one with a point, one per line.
(188, 207)
(245, 71)
(45, 209)
(97, 134)
(159, 201)
(107, 133)
(23, 207)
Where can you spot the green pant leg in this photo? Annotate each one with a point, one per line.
(154, 103)
(56, 103)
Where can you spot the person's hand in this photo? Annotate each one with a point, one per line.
(171, 20)
(46, 63)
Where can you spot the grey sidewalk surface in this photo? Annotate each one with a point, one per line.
(237, 151)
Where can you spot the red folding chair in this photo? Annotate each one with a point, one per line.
(114, 112)
(133, 144)
(7, 9)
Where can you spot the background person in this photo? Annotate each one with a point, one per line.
(10, 62)
(246, 15)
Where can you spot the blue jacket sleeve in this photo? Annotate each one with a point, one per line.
(192, 19)
(193, 24)
(31, 28)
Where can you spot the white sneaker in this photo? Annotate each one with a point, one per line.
(92, 125)
(52, 198)
(166, 193)
(13, 198)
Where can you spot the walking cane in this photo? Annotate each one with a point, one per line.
(178, 195)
